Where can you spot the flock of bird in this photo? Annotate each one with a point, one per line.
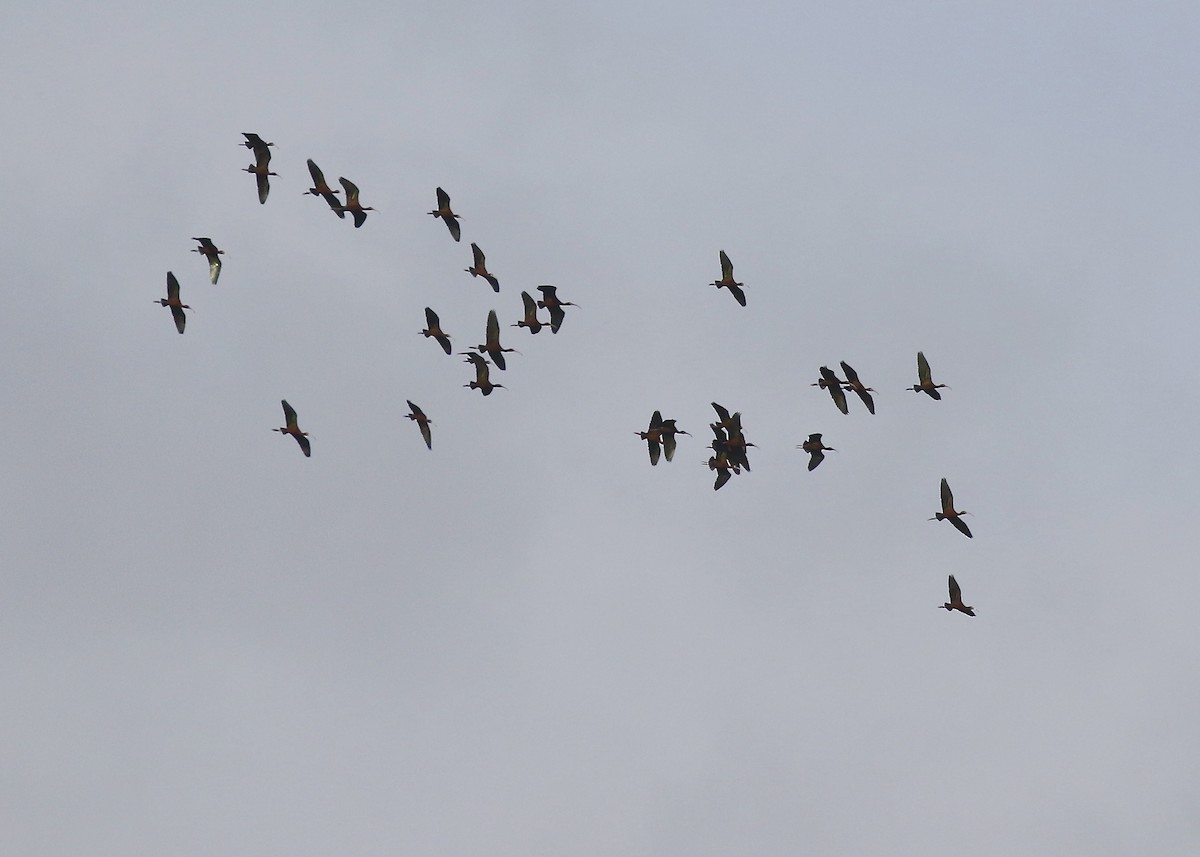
(729, 445)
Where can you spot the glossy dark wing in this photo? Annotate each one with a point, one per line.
(655, 450)
(493, 332)
(961, 526)
(933, 393)
(444, 342)
(866, 399)
(289, 414)
(727, 271)
(179, 316)
(426, 434)
(557, 314)
(947, 497)
(351, 190)
(415, 410)
(669, 445)
(432, 322)
(455, 229)
(839, 397)
(172, 287)
(335, 204)
(304, 445)
(477, 254)
(817, 457)
(530, 306)
(955, 592)
(318, 177)
(923, 373)
(549, 293)
(850, 374)
(723, 476)
(360, 217)
(495, 283)
(722, 413)
(443, 199)
(264, 186)
(738, 294)
(656, 421)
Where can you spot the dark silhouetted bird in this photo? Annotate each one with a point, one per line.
(418, 416)
(948, 513)
(852, 383)
(816, 449)
(293, 428)
(433, 327)
(926, 384)
(479, 269)
(172, 300)
(551, 302)
(482, 382)
(727, 281)
(829, 381)
(212, 254)
(322, 189)
(956, 602)
(357, 210)
(443, 211)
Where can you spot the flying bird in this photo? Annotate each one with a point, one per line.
(815, 448)
(727, 281)
(433, 327)
(322, 189)
(356, 208)
(852, 383)
(422, 421)
(829, 381)
(530, 320)
(926, 384)
(492, 345)
(261, 172)
(479, 269)
(260, 147)
(551, 302)
(443, 211)
(653, 437)
(210, 252)
(948, 513)
(721, 464)
(293, 428)
(667, 432)
(956, 602)
(172, 300)
(482, 382)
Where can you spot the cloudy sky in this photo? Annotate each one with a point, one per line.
(529, 641)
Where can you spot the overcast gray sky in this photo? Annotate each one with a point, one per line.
(529, 641)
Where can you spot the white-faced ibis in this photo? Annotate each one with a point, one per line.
(816, 449)
(653, 436)
(926, 384)
(433, 327)
(830, 381)
(531, 320)
(949, 514)
(210, 252)
(356, 208)
(172, 300)
(551, 302)
(293, 428)
(261, 172)
(492, 345)
(727, 281)
(443, 211)
(322, 189)
(852, 383)
(482, 382)
(479, 269)
(418, 416)
(956, 602)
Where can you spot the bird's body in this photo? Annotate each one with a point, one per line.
(956, 602)
(433, 327)
(948, 512)
(293, 428)
(830, 381)
(449, 217)
(816, 449)
(853, 383)
(261, 172)
(551, 302)
(667, 431)
(209, 250)
(724, 469)
(479, 268)
(418, 416)
(357, 210)
(530, 321)
(653, 437)
(727, 281)
(482, 382)
(322, 189)
(925, 379)
(172, 301)
(492, 345)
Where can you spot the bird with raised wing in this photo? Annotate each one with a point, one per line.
(956, 602)
(261, 172)
(479, 269)
(443, 211)
(925, 379)
(551, 302)
(482, 382)
(172, 300)
(852, 383)
(293, 428)
(816, 450)
(256, 144)
(433, 327)
(357, 210)
(492, 345)
(949, 514)
(727, 281)
(418, 416)
(322, 189)
(831, 382)
(209, 250)
(531, 320)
